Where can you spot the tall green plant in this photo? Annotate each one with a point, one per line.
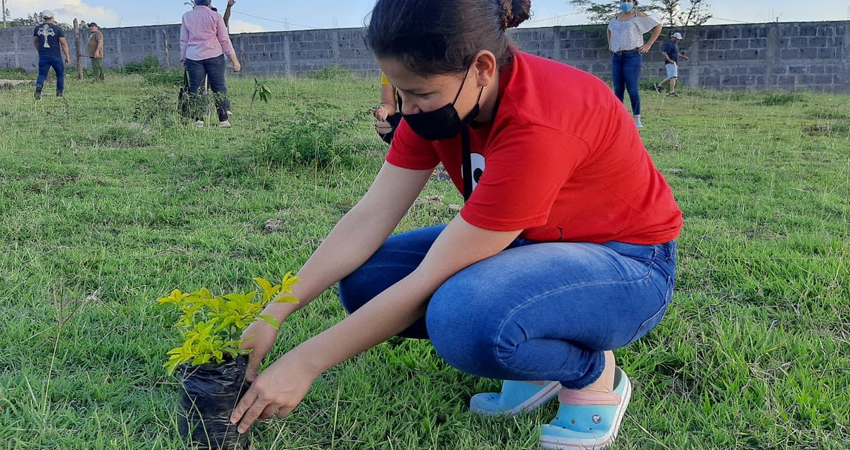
(261, 91)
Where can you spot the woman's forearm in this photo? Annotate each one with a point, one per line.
(655, 34)
(398, 307)
(388, 314)
(388, 96)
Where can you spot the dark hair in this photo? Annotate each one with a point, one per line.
(202, 2)
(443, 36)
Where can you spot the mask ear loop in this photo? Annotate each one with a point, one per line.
(461, 85)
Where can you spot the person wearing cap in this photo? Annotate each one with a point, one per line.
(203, 44)
(49, 41)
(95, 48)
(671, 63)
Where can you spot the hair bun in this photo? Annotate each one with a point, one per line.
(514, 12)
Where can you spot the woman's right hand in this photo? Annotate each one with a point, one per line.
(260, 339)
(236, 66)
(382, 113)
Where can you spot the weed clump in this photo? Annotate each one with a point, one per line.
(307, 140)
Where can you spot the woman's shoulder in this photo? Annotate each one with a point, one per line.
(642, 14)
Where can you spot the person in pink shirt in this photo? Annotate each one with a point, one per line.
(203, 44)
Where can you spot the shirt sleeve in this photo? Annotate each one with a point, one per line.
(524, 172)
(667, 48)
(60, 33)
(409, 151)
(646, 23)
(184, 39)
(223, 37)
(35, 32)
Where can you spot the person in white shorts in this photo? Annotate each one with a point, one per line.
(671, 63)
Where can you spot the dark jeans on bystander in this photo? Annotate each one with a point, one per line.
(214, 69)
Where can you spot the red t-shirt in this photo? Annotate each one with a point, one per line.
(562, 161)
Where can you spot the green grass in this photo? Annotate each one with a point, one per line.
(108, 202)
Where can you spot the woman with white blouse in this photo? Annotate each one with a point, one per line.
(625, 39)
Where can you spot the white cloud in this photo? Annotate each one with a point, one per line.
(67, 10)
(239, 26)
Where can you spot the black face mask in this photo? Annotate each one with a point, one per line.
(443, 123)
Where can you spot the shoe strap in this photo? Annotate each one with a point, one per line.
(580, 398)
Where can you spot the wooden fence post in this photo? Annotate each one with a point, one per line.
(167, 57)
(77, 45)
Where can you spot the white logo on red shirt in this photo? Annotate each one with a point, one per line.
(478, 165)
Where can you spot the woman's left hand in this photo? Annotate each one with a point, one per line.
(277, 391)
(644, 49)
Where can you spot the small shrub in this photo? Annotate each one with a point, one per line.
(332, 73)
(148, 65)
(307, 140)
(163, 77)
(212, 326)
(157, 109)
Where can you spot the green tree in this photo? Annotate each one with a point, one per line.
(674, 13)
(34, 19)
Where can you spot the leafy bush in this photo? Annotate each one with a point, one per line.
(148, 65)
(307, 140)
(157, 109)
(212, 326)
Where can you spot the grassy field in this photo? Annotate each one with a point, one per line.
(108, 202)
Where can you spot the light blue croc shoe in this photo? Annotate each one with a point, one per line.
(516, 397)
(588, 420)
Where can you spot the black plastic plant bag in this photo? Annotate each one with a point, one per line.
(209, 394)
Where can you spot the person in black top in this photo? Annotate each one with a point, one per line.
(49, 41)
(671, 63)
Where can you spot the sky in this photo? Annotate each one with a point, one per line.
(270, 15)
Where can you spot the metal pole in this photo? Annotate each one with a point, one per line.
(4, 13)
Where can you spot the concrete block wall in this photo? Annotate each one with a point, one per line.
(809, 55)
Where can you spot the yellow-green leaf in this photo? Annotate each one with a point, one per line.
(271, 321)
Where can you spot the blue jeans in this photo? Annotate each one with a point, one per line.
(212, 68)
(45, 62)
(535, 311)
(625, 70)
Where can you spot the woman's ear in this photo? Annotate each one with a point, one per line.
(485, 68)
